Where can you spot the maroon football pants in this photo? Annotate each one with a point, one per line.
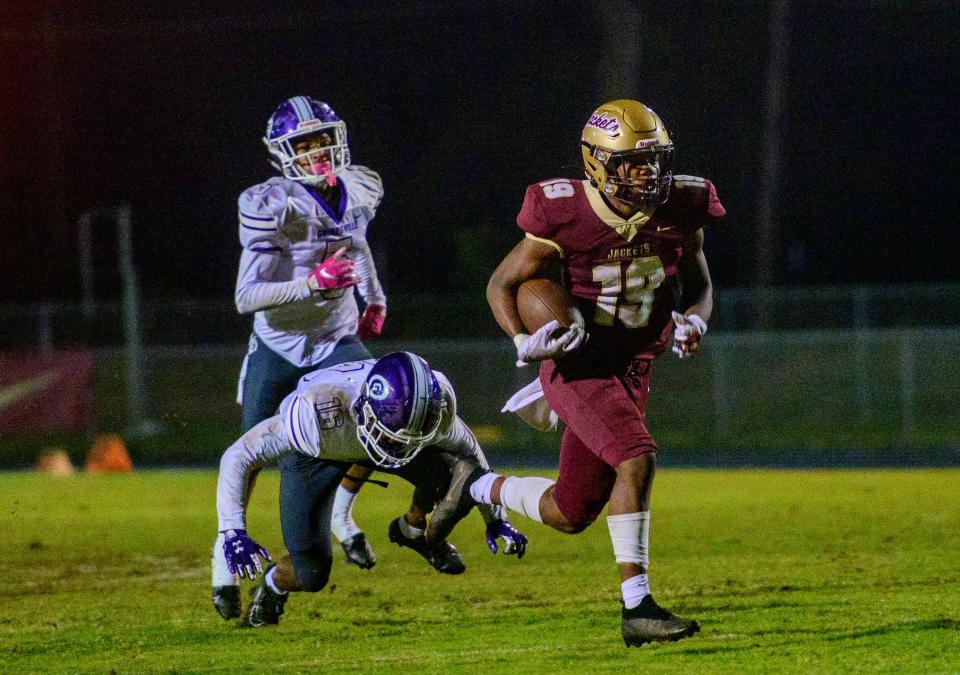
(605, 418)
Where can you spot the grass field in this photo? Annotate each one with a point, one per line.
(806, 571)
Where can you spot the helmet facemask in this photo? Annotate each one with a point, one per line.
(638, 177)
(389, 448)
(315, 166)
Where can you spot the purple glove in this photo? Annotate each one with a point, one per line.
(513, 541)
(243, 554)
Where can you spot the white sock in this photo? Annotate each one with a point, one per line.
(634, 590)
(220, 575)
(630, 534)
(269, 579)
(523, 495)
(341, 519)
(480, 490)
(408, 530)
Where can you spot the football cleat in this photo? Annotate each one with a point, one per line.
(226, 600)
(359, 552)
(457, 502)
(265, 605)
(649, 622)
(442, 556)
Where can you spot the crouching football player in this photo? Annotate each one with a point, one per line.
(394, 412)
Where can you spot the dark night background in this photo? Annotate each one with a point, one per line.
(459, 106)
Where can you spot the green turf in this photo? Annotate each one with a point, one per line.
(813, 571)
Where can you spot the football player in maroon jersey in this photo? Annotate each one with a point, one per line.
(628, 241)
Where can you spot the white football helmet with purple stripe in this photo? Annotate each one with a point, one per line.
(295, 119)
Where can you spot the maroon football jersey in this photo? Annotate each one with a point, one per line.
(623, 273)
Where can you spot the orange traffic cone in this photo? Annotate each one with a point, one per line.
(55, 462)
(108, 455)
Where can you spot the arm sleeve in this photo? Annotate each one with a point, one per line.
(255, 448)
(255, 291)
(260, 211)
(370, 289)
(462, 444)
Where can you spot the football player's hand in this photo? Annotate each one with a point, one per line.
(550, 341)
(687, 334)
(514, 543)
(371, 321)
(243, 554)
(334, 272)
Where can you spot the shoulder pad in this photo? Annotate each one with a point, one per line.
(548, 205)
(364, 186)
(300, 424)
(258, 211)
(698, 196)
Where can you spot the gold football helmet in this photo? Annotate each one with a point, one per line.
(627, 153)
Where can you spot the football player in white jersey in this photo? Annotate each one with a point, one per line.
(305, 252)
(395, 413)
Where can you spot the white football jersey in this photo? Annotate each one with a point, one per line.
(285, 231)
(318, 419)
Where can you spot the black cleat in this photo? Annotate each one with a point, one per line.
(265, 605)
(649, 622)
(442, 555)
(359, 552)
(226, 600)
(457, 502)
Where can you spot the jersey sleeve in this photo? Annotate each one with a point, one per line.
(258, 287)
(256, 447)
(300, 425)
(454, 436)
(259, 212)
(533, 220)
(701, 202)
(714, 209)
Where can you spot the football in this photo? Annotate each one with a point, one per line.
(540, 301)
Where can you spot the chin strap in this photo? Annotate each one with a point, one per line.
(361, 481)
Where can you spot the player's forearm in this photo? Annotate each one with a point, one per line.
(502, 298)
(695, 278)
(252, 451)
(255, 296)
(702, 306)
(236, 466)
(370, 289)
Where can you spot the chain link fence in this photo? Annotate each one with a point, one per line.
(855, 393)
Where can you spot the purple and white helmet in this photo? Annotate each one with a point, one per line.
(296, 118)
(399, 409)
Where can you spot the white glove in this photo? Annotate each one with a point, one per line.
(687, 334)
(548, 342)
